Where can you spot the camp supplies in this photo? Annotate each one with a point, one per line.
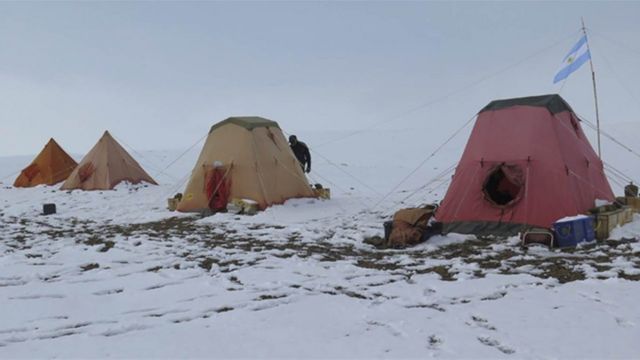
(172, 204)
(408, 226)
(632, 202)
(242, 206)
(631, 190)
(48, 209)
(537, 236)
(570, 231)
(321, 192)
(608, 218)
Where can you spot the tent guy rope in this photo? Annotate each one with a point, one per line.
(429, 157)
(457, 91)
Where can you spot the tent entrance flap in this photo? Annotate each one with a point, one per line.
(218, 187)
(85, 171)
(503, 185)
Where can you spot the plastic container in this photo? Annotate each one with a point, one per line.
(48, 209)
(571, 231)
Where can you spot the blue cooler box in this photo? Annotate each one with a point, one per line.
(572, 231)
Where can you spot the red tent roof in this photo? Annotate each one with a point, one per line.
(527, 164)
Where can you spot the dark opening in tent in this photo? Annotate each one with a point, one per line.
(503, 185)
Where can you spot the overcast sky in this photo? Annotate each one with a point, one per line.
(158, 75)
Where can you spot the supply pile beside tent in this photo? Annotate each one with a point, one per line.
(527, 164)
(105, 166)
(50, 167)
(244, 158)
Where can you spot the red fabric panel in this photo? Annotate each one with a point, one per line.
(543, 146)
(513, 174)
(31, 171)
(508, 187)
(86, 171)
(513, 180)
(218, 187)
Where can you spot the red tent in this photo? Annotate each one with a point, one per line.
(527, 164)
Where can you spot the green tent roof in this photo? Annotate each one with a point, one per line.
(247, 122)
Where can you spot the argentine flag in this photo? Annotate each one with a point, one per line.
(578, 55)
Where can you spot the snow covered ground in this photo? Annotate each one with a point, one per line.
(115, 274)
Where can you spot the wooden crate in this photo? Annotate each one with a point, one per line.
(627, 215)
(607, 221)
(633, 203)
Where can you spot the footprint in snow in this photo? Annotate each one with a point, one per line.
(394, 330)
(161, 314)
(624, 322)
(57, 334)
(38, 296)
(480, 322)
(496, 344)
(124, 329)
(108, 292)
(16, 282)
(434, 342)
(161, 285)
(495, 296)
(16, 330)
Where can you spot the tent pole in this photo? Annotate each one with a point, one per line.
(595, 93)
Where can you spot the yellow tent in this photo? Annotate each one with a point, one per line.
(105, 166)
(257, 161)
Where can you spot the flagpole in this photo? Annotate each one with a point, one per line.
(595, 93)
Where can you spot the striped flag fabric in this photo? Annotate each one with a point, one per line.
(578, 55)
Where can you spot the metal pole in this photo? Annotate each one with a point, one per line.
(595, 93)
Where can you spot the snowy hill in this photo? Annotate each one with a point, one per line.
(115, 274)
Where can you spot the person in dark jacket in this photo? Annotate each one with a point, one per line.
(301, 151)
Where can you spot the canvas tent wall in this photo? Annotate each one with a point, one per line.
(105, 166)
(51, 166)
(527, 164)
(259, 164)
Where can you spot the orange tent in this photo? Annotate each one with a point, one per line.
(50, 167)
(105, 166)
